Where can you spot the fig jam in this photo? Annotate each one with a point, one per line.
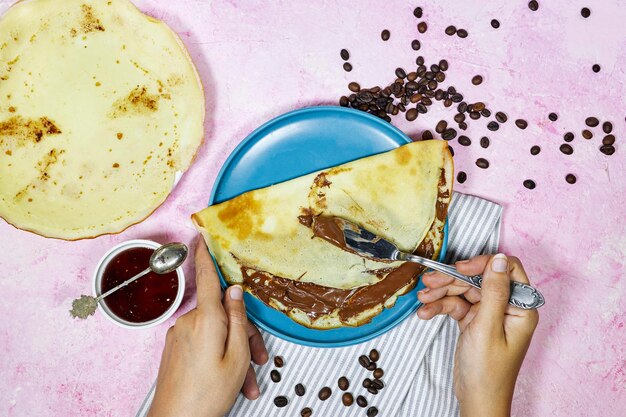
(142, 300)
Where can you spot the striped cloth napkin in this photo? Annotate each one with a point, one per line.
(417, 356)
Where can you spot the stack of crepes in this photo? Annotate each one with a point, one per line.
(271, 240)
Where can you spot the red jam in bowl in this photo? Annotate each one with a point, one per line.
(143, 300)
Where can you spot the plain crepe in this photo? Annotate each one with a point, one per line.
(267, 239)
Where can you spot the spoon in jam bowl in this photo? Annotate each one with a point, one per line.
(165, 259)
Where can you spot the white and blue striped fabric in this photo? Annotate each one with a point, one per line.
(417, 356)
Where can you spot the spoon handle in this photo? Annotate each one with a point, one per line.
(123, 284)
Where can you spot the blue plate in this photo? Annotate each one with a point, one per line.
(295, 144)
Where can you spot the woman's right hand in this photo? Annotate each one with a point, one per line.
(494, 335)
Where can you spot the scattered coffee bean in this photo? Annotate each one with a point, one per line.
(477, 79)
(585, 12)
(372, 412)
(484, 142)
(485, 112)
(324, 393)
(463, 126)
(441, 126)
(306, 412)
(461, 177)
(450, 30)
(372, 366)
(367, 383)
(449, 134)
(422, 27)
(533, 5)
(400, 73)
(361, 401)
(372, 390)
(595, 68)
(378, 384)
(347, 67)
(566, 149)
(608, 140)
(592, 121)
(568, 137)
(411, 76)
(570, 178)
(495, 24)
(354, 87)
(474, 115)
(385, 34)
(553, 117)
(521, 123)
(343, 383)
(451, 150)
(461, 33)
(411, 115)
(443, 65)
(530, 184)
(275, 375)
(364, 361)
(419, 60)
(478, 106)
(300, 391)
(345, 55)
(607, 149)
(417, 12)
(535, 150)
(501, 117)
(462, 107)
(587, 134)
(607, 127)
(279, 362)
(378, 373)
(416, 45)
(427, 135)
(493, 126)
(281, 401)
(464, 140)
(347, 399)
(343, 101)
(482, 163)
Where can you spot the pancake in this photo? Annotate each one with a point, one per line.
(264, 239)
(101, 111)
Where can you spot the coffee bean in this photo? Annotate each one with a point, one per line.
(484, 142)
(607, 149)
(417, 12)
(400, 73)
(450, 30)
(411, 115)
(427, 135)
(451, 90)
(463, 126)
(595, 68)
(493, 126)
(568, 137)
(566, 149)
(451, 149)
(462, 107)
(422, 27)
(570, 178)
(281, 401)
(457, 98)
(533, 5)
(530, 184)
(378, 373)
(419, 60)
(361, 401)
(592, 121)
(464, 140)
(485, 113)
(585, 12)
(347, 67)
(372, 366)
(324, 393)
(443, 65)
(372, 390)
(306, 412)
(374, 355)
(440, 77)
(343, 101)
(347, 399)
(449, 134)
(478, 106)
(441, 126)
(461, 177)
(345, 55)
(300, 391)
(385, 34)
(608, 140)
(421, 108)
(534, 150)
(364, 361)
(461, 33)
(607, 127)
(343, 383)
(275, 375)
(587, 134)
(553, 117)
(378, 384)
(367, 383)
(447, 102)
(521, 123)
(416, 45)
(495, 24)
(477, 79)
(372, 412)
(482, 163)
(354, 87)
(432, 85)
(474, 115)
(411, 76)
(501, 117)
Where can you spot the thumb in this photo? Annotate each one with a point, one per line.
(237, 339)
(495, 291)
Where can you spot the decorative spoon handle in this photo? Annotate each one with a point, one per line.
(123, 284)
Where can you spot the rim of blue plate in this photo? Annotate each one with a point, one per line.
(224, 169)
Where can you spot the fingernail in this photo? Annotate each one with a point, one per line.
(236, 293)
(429, 272)
(425, 290)
(464, 261)
(500, 263)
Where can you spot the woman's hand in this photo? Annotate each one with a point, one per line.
(206, 359)
(494, 335)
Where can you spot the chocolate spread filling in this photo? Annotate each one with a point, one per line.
(317, 300)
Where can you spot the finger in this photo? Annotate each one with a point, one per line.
(250, 388)
(439, 280)
(516, 270)
(465, 321)
(430, 294)
(209, 292)
(237, 340)
(495, 292)
(474, 266)
(258, 352)
(473, 295)
(455, 307)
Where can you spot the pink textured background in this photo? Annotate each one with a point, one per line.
(259, 59)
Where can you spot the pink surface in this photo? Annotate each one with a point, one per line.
(260, 60)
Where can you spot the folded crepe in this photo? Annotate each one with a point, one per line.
(264, 239)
